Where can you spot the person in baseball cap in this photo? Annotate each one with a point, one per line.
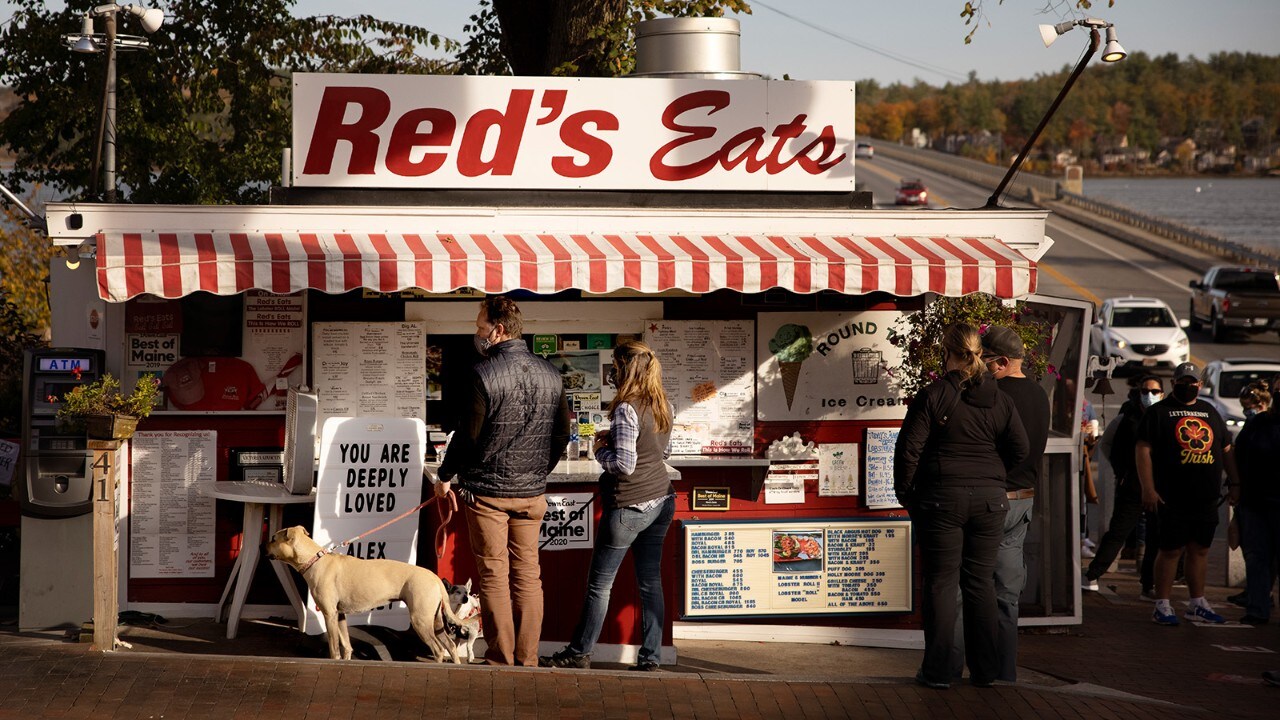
(1002, 342)
(1003, 353)
(1186, 370)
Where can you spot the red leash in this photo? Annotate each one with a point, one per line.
(441, 535)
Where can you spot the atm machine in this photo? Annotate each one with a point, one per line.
(55, 493)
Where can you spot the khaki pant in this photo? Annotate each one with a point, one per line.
(504, 539)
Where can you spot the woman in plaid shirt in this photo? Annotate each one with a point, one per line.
(639, 502)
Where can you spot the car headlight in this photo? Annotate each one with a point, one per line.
(1121, 344)
(1235, 422)
(1183, 342)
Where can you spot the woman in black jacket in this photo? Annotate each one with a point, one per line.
(959, 437)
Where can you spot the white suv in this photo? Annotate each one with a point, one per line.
(1141, 333)
(1222, 381)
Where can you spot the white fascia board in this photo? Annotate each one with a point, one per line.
(1020, 229)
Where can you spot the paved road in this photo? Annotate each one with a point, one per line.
(1083, 263)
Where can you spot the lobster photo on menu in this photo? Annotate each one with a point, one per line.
(797, 551)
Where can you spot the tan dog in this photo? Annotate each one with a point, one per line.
(343, 585)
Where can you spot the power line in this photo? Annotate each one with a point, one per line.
(896, 57)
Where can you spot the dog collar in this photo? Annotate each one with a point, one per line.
(312, 561)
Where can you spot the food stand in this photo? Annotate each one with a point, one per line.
(714, 219)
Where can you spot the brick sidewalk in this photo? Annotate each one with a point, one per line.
(1117, 665)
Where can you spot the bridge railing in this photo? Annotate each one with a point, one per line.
(1037, 188)
(1188, 235)
(1025, 186)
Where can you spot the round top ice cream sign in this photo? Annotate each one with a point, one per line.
(827, 366)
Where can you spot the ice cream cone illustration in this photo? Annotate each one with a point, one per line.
(791, 345)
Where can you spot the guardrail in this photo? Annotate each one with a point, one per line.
(1035, 188)
(1188, 235)
(1025, 186)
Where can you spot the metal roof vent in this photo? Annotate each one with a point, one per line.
(689, 47)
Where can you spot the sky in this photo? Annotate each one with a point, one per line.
(905, 40)
(829, 39)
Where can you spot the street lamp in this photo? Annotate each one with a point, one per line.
(87, 41)
(1048, 33)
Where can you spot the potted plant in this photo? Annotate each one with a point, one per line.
(104, 411)
(918, 334)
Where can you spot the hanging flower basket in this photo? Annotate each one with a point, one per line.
(110, 427)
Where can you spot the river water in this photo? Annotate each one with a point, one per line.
(1246, 210)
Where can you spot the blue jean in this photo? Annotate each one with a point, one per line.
(1260, 543)
(643, 533)
(1011, 578)
(959, 531)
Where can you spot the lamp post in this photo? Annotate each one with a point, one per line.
(87, 41)
(1112, 53)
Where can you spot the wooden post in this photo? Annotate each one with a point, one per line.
(106, 607)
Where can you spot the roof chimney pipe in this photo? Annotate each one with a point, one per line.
(690, 47)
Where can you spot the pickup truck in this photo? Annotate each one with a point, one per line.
(1235, 298)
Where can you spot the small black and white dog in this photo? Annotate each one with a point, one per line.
(466, 606)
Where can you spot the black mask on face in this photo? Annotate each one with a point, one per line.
(1186, 392)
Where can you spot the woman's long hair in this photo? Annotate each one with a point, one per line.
(963, 341)
(639, 378)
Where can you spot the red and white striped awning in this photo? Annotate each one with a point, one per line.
(171, 265)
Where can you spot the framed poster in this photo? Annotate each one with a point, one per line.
(837, 469)
(827, 366)
(800, 567)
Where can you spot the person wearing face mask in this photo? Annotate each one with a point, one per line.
(1003, 353)
(512, 429)
(1119, 443)
(960, 437)
(1182, 450)
(1257, 502)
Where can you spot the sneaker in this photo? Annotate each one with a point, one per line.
(565, 659)
(1202, 614)
(1148, 593)
(1253, 620)
(1087, 552)
(1162, 618)
(645, 666)
(920, 678)
(1088, 583)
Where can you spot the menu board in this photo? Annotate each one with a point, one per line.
(879, 468)
(797, 568)
(364, 369)
(171, 522)
(708, 369)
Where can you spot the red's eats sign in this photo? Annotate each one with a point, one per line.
(558, 133)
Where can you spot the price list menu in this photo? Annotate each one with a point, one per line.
(765, 568)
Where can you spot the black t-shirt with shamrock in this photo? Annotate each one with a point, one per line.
(1187, 445)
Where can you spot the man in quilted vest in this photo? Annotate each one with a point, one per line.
(513, 427)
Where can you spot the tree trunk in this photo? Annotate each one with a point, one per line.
(540, 35)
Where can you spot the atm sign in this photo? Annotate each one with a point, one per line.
(64, 364)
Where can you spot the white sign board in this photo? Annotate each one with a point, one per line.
(370, 472)
(171, 522)
(8, 462)
(707, 373)
(878, 456)
(797, 568)
(453, 131)
(827, 366)
(568, 522)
